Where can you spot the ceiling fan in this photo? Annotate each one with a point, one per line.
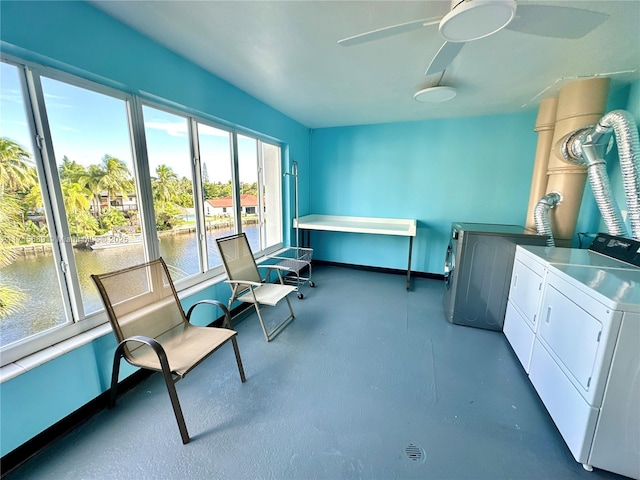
(471, 20)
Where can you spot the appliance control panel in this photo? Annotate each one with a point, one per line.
(623, 249)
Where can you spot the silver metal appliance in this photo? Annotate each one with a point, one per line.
(477, 271)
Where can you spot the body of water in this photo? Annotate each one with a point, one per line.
(37, 277)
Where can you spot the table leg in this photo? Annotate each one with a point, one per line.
(409, 265)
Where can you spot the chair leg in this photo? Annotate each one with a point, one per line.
(290, 308)
(166, 373)
(264, 329)
(175, 403)
(238, 359)
(117, 357)
(271, 335)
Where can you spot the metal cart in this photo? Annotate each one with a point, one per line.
(295, 261)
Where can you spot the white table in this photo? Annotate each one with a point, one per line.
(378, 226)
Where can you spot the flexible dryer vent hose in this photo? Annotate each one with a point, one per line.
(626, 132)
(541, 215)
(587, 146)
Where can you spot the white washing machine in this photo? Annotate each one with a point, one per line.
(573, 320)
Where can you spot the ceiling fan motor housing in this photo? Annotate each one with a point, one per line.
(474, 19)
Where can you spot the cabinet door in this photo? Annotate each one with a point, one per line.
(573, 416)
(526, 289)
(519, 335)
(572, 335)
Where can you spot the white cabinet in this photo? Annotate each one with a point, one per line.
(519, 334)
(520, 321)
(526, 288)
(574, 417)
(576, 331)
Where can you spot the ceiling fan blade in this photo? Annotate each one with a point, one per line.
(444, 57)
(554, 21)
(388, 31)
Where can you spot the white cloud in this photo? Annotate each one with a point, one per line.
(211, 131)
(11, 95)
(175, 129)
(56, 101)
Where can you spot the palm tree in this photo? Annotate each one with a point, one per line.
(70, 171)
(117, 178)
(16, 167)
(12, 300)
(16, 173)
(76, 198)
(33, 199)
(12, 230)
(92, 181)
(11, 227)
(164, 185)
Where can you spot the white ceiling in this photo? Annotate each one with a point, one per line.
(285, 54)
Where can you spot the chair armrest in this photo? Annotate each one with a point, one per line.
(276, 266)
(278, 269)
(243, 282)
(155, 346)
(226, 323)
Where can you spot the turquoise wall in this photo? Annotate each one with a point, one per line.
(475, 169)
(634, 101)
(79, 39)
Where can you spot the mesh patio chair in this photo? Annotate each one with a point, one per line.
(247, 285)
(153, 331)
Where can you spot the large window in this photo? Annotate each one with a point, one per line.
(30, 296)
(271, 195)
(260, 191)
(90, 136)
(249, 197)
(93, 180)
(216, 162)
(170, 167)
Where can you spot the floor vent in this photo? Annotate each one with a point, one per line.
(414, 453)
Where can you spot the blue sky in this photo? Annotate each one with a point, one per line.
(86, 125)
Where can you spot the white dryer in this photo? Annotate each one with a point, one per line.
(573, 320)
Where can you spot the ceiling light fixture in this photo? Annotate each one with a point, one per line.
(435, 94)
(473, 19)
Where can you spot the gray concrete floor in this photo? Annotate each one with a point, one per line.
(369, 381)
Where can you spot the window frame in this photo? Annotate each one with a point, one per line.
(77, 322)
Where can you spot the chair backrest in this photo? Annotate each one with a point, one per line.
(237, 258)
(140, 300)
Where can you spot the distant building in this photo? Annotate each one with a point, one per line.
(119, 202)
(224, 205)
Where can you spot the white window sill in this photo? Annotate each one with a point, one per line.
(34, 360)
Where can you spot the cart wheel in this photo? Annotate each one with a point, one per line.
(311, 284)
(300, 296)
